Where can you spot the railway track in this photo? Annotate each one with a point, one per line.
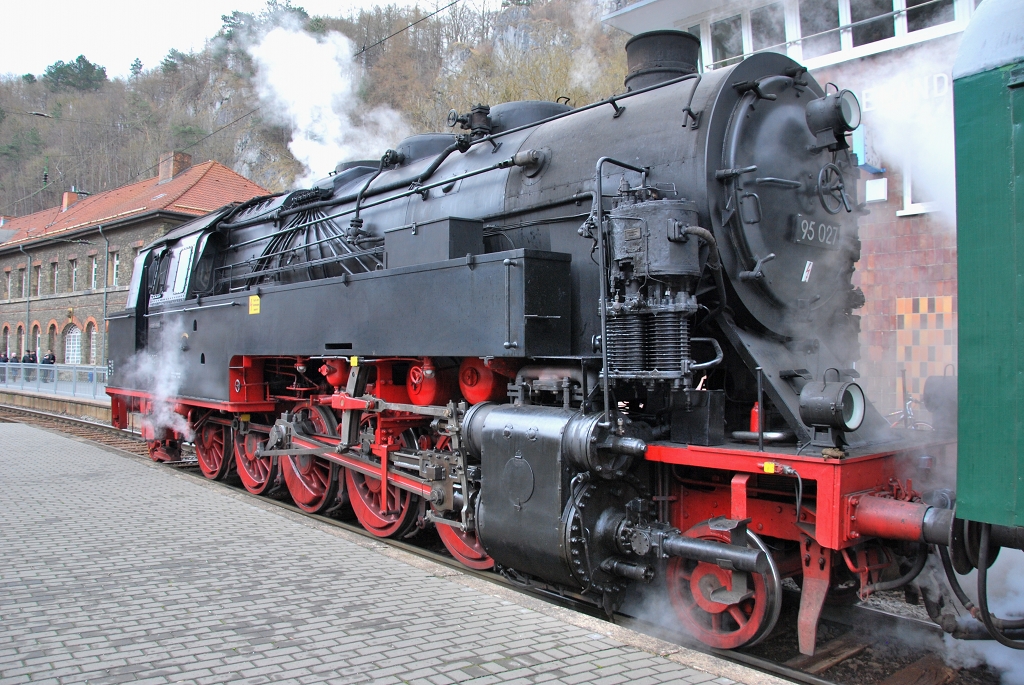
(857, 644)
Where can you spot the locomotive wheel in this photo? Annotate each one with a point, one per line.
(257, 473)
(465, 547)
(387, 511)
(313, 481)
(213, 450)
(725, 626)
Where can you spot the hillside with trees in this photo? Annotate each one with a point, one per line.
(74, 126)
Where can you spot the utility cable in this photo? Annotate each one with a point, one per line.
(383, 40)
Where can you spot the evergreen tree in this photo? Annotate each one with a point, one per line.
(79, 75)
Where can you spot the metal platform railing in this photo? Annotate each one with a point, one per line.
(55, 379)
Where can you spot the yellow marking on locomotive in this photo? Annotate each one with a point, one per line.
(254, 304)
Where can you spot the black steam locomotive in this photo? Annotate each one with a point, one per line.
(597, 348)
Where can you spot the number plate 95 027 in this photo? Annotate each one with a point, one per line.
(810, 231)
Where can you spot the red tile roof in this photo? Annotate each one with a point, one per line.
(195, 191)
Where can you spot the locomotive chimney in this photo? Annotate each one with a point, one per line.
(658, 56)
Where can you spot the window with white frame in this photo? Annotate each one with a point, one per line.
(55, 276)
(94, 267)
(115, 267)
(9, 293)
(74, 275)
(91, 334)
(827, 31)
(39, 280)
(73, 346)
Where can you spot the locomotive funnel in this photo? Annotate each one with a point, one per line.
(658, 56)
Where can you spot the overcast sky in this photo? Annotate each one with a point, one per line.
(112, 33)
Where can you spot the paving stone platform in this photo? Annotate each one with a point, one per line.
(114, 569)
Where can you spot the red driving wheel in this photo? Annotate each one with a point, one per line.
(464, 546)
(720, 625)
(213, 450)
(313, 481)
(256, 473)
(386, 511)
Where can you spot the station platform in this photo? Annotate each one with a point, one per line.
(115, 569)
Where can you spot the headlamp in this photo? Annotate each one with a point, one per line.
(831, 117)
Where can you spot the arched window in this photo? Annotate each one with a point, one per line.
(5, 343)
(37, 340)
(51, 337)
(73, 346)
(21, 342)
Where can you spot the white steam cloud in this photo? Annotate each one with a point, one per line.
(159, 370)
(908, 121)
(310, 84)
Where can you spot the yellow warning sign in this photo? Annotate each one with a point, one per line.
(254, 304)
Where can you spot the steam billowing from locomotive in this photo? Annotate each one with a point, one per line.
(593, 348)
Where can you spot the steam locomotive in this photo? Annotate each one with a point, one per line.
(608, 350)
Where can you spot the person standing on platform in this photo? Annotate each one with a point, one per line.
(3, 369)
(27, 358)
(50, 359)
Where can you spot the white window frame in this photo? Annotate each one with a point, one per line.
(10, 294)
(94, 265)
(911, 208)
(56, 276)
(962, 11)
(73, 344)
(39, 280)
(74, 275)
(116, 258)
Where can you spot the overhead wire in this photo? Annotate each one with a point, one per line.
(402, 30)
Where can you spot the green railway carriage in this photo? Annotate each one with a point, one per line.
(988, 91)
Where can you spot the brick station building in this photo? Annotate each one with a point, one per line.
(897, 57)
(63, 268)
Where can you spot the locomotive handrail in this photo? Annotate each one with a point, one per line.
(598, 211)
(191, 309)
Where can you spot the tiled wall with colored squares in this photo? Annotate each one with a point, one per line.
(925, 338)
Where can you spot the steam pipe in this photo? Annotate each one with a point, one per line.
(914, 572)
(947, 566)
(714, 263)
(726, 556)
(629, 570)
(598, 210)
(986, 616)
(359, 196)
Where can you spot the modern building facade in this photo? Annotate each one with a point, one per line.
(897, 57)
(63, 269)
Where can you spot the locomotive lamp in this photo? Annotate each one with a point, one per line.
(831, 117)
(832, 408)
